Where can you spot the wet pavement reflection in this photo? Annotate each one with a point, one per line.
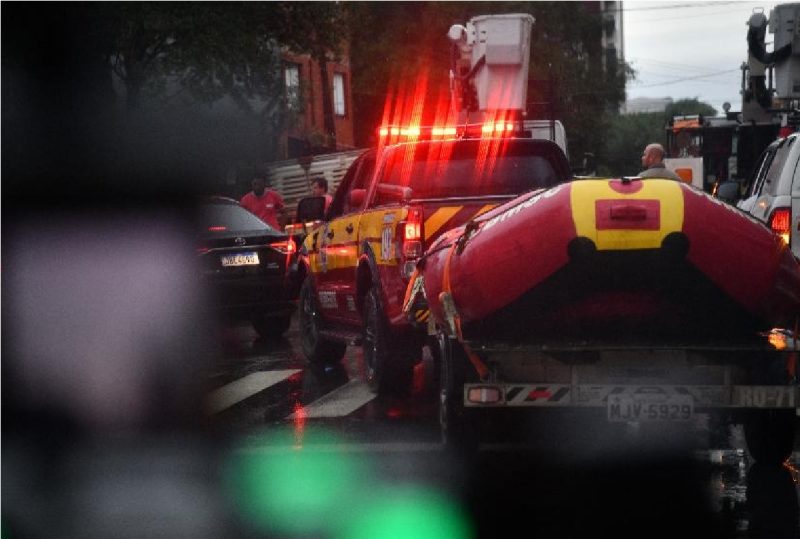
(586, 480)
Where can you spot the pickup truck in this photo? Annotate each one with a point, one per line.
(392, 203)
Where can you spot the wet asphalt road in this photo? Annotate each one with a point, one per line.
(580, 479)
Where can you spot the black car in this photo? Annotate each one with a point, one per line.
(244, 263)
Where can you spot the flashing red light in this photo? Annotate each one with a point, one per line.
(498, 128)
(443, 131)
(785, 131)
(779, 222)
(493, 128)
(415, 131)
(217, 229)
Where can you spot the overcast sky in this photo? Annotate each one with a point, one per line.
(689, 49)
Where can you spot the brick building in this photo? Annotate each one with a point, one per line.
(303, 85)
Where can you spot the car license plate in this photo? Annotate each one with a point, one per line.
(240, 259)
(650, 408)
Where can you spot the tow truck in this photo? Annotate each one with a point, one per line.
(419, 182)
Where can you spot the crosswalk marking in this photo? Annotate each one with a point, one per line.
(230, 394)
(339, 402)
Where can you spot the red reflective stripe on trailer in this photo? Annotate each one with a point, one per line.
(540, 393)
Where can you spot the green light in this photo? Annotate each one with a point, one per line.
(285, 488)
(405, 514)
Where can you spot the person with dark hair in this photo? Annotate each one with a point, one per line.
(264, 203)
(319, 188)
(653, 163)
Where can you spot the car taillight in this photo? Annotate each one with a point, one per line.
(779, 222)
(286, 247)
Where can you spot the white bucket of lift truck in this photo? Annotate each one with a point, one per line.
(505, 42)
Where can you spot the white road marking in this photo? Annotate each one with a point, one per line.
(339, 402)
(230, 394)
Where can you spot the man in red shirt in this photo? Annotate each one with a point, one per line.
(264, 203)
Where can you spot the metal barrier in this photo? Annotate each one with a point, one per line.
(293, 181)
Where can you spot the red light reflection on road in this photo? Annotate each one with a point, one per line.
(300, 416)
(394, 413)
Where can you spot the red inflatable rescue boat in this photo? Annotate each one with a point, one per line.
(629, 259)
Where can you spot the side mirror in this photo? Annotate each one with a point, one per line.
(356, 198)
(310, 209)
(728, 192)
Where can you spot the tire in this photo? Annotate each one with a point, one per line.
(315, 348)
(387, 368)
(271, 327)
(459, 434)
(770, 435)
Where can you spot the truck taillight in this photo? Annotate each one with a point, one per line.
(779, 222)
(413, 231)
(411, 240)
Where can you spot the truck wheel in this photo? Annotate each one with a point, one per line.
(458, 433)
(271, 327)
(387, 369)
(770, 435)
(316, 348)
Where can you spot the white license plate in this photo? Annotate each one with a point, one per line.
(647, 408)
(240, 259)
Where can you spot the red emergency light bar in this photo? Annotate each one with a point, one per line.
(492, 129)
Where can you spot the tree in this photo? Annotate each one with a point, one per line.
(688, 106)
(407, 59)
(210, 49)
(627, 135)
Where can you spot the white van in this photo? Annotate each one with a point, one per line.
(774, 193)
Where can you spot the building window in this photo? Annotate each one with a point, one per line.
(291, 74)
(338, 94)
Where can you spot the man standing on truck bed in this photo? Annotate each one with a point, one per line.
(264, 203)
(653, 163)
